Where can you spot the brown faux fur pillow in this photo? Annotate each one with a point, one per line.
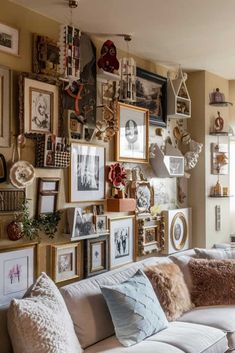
(213, 282)
(169, 285)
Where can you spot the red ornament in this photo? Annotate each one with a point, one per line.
(108, 60)
(117, 175)
(14, 230)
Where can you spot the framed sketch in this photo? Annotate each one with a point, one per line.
(5, 106)
(122, 248)
(132, 137)
(101, 223)
(66, 262)
(143, 193)
(9, 39)
(80, 225)
(17, 271)
(151, 93)
(96, 256)
(40, 104)
(48, 191)
(87, 179)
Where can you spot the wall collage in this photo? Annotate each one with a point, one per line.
(99, 165)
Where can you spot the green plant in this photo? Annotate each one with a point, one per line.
(49, 223)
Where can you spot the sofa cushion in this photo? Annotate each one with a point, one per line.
(169, 285)
(216, 254)
(135, 309)
(41, 322)
(183, 261)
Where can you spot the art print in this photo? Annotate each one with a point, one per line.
(88, 173)
(9, 39)
(121, 240)
(41, 111)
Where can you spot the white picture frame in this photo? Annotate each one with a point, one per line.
(79, 225)
(9, 39)
(5, 106)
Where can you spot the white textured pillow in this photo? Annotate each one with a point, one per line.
(41, 322)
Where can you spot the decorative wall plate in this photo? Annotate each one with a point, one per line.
(22, 174)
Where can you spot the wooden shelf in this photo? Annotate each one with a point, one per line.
(221, 104)
(121, 205)
(220, 196)
(220, 133)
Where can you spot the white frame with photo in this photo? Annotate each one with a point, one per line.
(136, 187)
(104, 229)
(19, 262)
(120, 256)
(73, 227)
(91, 192)
(14, 34)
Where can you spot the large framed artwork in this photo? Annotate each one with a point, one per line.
(9, 39)
(132, 137)
(122, 247)
(96, 256)
(17, 271)
(5, 106)
(87, 179)
(151, 93)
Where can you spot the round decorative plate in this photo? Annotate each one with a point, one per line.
(179, 231)
(22, 174)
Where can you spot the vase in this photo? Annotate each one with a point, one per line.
(14, 230)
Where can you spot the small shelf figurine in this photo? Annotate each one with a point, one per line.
(219, 123)
(117, 176)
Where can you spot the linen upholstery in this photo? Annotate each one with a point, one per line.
(216, 254)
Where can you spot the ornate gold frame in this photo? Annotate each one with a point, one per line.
(185, 235)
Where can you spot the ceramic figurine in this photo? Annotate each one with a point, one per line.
(219, 123)
(108, 60)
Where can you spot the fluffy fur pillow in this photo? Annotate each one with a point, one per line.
(169, 285)
(213, 282)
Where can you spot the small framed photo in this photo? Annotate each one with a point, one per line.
(122, 247)
(143, 193)
(132, 137)
(9, 39)
(101, 223)
(80, 225)
(87, 179)
(96, 256)
(48, 191)
(66, 262)
(17, 271)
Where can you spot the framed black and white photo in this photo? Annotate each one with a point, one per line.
(9, 39)
(96, 256)
(122, 249)
(132, 137)
(151, 93)
(87, 179)
(80, 225)
(143, 193)
(41, 110)
(101, 223)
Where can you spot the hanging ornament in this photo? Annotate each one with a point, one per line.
(108, 60)
(128, 76)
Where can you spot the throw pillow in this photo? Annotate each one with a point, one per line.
(213, 282)
(135, 309)
(216, 254)
(183, 261)
(41, 322)
(169, 285)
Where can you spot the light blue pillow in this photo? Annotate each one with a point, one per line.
(135, 309)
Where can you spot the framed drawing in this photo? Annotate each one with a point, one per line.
(143, 193)
(48, 191)
(66, 262)
(151, 93)
(132, 137)
(5, 106)
(40, 104)
(87, 179)
(96, 256)
(101, 224)
(17, 271)
(9, 39)
(122, 247)
(80, 225)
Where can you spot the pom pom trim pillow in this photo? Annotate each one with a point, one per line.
(135, 309)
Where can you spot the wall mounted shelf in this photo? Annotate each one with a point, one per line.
(221, 104)
(220, 196)
(220, 133)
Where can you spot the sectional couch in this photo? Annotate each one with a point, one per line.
(202, 330)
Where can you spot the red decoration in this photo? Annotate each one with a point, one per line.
(14, 230)
(117, 175)
(108, 60)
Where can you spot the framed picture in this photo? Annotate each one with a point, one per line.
(40, 104)
(179, 231)
(143, 193)
(9, 39)
(80, 225)
(151, 93)
(5, 106)
(48, 191)
(87, 179)
(96, 256)
(66, 262)
(122, 248)
(17, 271)
(101, 224)
(132, 137)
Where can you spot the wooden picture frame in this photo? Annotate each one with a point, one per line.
(66, 262)
(87, 173)
(96, 256)
(80, 225)
(9, 39)
(101, 224)
(152, 85)
(48, 192)
(142, 191)
(132, 137)
(5, 106)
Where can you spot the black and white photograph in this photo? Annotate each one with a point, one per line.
(143, 193)
(9, 39)
(121, 239)
(83, 224)
(87, 179)
(41, 103)
(132, 137)
(65, 262)
(101, 223)
(96, 255)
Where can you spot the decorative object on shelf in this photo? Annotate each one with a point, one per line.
(14, 230)
(52, 152)
(217, 98)
(30, 226)
(151, 93)
(48, 223)
(17, 271)
(217, 190)
(108, 125)
(219, 123)
(48, 191)
(101, 224)
(22, 174)
(96, 256)
(142, 192)
(80, 225)
(122, 242)
(219, 158)
(66, 262)
(5, 105)
(117, 176)
(192, 156)
(46, 56)
(178, 99)
(9, 39)
(108, 60)
(87, 179)
(11, 200)
(3, 169)
(217, 218)
(177, 229)
(132, 137)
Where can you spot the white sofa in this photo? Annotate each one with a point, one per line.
(202, 330)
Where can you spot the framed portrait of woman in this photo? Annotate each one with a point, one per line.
(132, 137)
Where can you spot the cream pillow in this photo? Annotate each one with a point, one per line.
(41, 322)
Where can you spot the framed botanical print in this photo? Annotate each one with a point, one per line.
(17, 271)
(5, 106)
(66, 262)
(87, 179)
(48, 191)
(9, 39)
(122, 247)
(132, 137)
(96, 256)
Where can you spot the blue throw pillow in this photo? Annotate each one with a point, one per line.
(135, 309)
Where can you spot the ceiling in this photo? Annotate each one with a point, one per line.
(198, 34)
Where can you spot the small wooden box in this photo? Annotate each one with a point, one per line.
(121, 205)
